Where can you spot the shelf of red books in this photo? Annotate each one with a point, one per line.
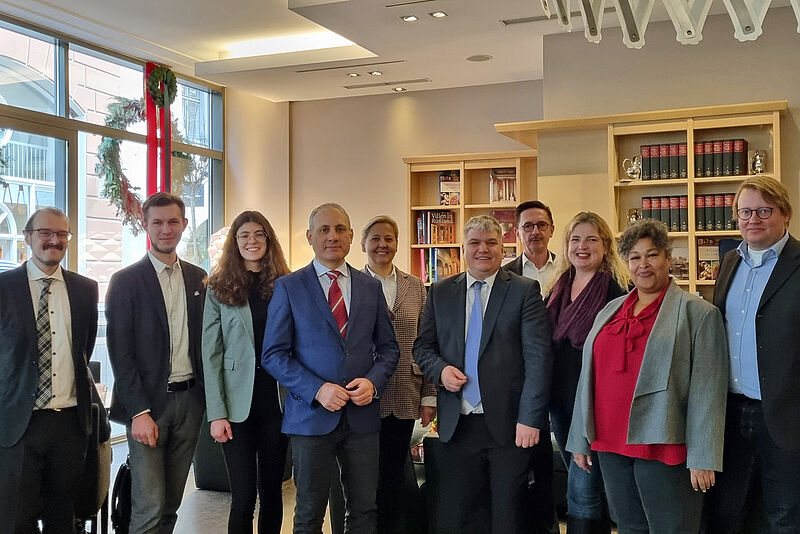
(724, 149)
(669, 205)
(661, 155)
(432, 264)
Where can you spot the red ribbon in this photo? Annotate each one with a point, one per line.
(152, 135)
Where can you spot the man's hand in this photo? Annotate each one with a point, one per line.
(702, 479)
(527, 436)
(584, 461)
(332, 396)
(426, 414)
(452, 379)
(144, 429)
(221, 430)
(361, 391)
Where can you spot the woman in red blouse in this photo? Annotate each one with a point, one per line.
(651, 395)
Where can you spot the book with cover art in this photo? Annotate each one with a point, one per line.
(679, 264)
(443, 227)
(449, 188)
(502, 185)
(507, 224)
(447, 263)
(707, 258)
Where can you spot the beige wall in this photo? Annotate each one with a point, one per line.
(350, 150)
(257, 160)
(583, 79)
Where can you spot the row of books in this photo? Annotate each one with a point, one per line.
(449, 188)
(438, 263)
(435, 227)
(672, 211)
(662, 162)
(714, 212)
(502, 185)
(722, 157)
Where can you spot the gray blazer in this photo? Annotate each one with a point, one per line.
(681, 391)
(229, 360)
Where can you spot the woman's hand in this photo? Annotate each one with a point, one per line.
(221, 430)
(584, 461)
(702, 479)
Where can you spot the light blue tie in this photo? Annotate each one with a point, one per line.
(472, 390)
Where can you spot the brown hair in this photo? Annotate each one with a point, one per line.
(771, 189)
(163, 199)
(230, 280)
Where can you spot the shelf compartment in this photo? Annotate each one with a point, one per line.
(651, 183)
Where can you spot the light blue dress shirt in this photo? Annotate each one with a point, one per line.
(741, 305)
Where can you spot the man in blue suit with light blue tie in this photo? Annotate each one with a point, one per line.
(329, 340)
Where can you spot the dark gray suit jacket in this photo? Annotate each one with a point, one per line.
(777, 321)
(19, 355)
(138, 338)
(514, 362)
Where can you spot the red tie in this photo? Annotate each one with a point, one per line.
(336, 302)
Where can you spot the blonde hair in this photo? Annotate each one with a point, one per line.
(483, 223)
(380, 219)
(771, 189)
(611, 263)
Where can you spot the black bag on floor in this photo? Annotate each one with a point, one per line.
(121, 499)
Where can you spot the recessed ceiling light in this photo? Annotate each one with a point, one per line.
(479, 57)
(353, 74)
(376, 73)
(409, 18)
(398, 89)
(438, 14)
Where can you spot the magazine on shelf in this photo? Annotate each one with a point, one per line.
(449, 188)
(507, 224)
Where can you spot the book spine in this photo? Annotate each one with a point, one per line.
(727, 157)
(730, 224)
(423, 266)
(684, 213)
(647, 208)
(709, 202)
(683, 170)
(719, 212)
(698, 159)
(699, 212)
(739, 158)
(663, 161)
(717, 145)
(674, 214)
(708, 158)
(674, 171)
(665, 211)
(655, 163)
(644, 152)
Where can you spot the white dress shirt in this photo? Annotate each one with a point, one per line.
(544, 275)
(343, 280)
(389, 285)
(61, 331)
(486, 291)
(170, 278)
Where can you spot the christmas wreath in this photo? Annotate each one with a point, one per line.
(158, 76)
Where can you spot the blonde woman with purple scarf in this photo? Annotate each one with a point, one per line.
(590, 273)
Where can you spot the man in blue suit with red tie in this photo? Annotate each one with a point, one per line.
(329, 340)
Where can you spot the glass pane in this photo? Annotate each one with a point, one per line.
(191, 175)
(98, 81)
(192, 110)
(32, 176)
(27, 69)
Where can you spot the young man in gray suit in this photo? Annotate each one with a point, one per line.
(485, 338)
(155, 316)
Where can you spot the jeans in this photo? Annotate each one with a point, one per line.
(158, 474)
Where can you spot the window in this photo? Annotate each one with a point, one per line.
(27, 69)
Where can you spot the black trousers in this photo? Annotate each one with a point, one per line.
(255, 459)
(485, 480)
(54, 451)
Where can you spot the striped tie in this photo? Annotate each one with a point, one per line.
(44, 341)
(336, 302)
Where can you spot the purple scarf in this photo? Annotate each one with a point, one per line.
(572, 320)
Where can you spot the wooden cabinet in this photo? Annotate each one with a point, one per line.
(692, 242)
(509, 176)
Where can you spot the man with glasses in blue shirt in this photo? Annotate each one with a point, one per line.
(757, 291)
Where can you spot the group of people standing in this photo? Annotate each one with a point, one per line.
(672, 414)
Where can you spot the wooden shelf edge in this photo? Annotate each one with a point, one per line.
(705, 282)
(436, 245)
(435, 207)
(717, 233)
(495, 206)
(651, 183)
(729, 179)
(471, 156)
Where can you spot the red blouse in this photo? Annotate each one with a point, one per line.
(618, 352)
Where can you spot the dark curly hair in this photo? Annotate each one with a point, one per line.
(655, 230)
(230, 280)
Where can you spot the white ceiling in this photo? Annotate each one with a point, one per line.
(192, 35)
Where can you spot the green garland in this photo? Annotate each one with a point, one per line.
(157, 76)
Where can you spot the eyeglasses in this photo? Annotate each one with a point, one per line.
(244, 237)
(763, 213)
(541, 226)
(46, 235)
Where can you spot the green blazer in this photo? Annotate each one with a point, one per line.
(682, 388)
(228, 360)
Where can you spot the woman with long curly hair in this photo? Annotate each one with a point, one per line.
(242, 399)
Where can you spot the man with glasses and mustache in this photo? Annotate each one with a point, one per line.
(155, 316)
(757, 291)
(48, 325)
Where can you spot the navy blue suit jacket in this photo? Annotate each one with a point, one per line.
(303, 349)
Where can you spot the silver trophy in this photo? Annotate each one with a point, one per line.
(759, 162)
(633, 169)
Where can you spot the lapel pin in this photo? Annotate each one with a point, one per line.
(196, 293)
